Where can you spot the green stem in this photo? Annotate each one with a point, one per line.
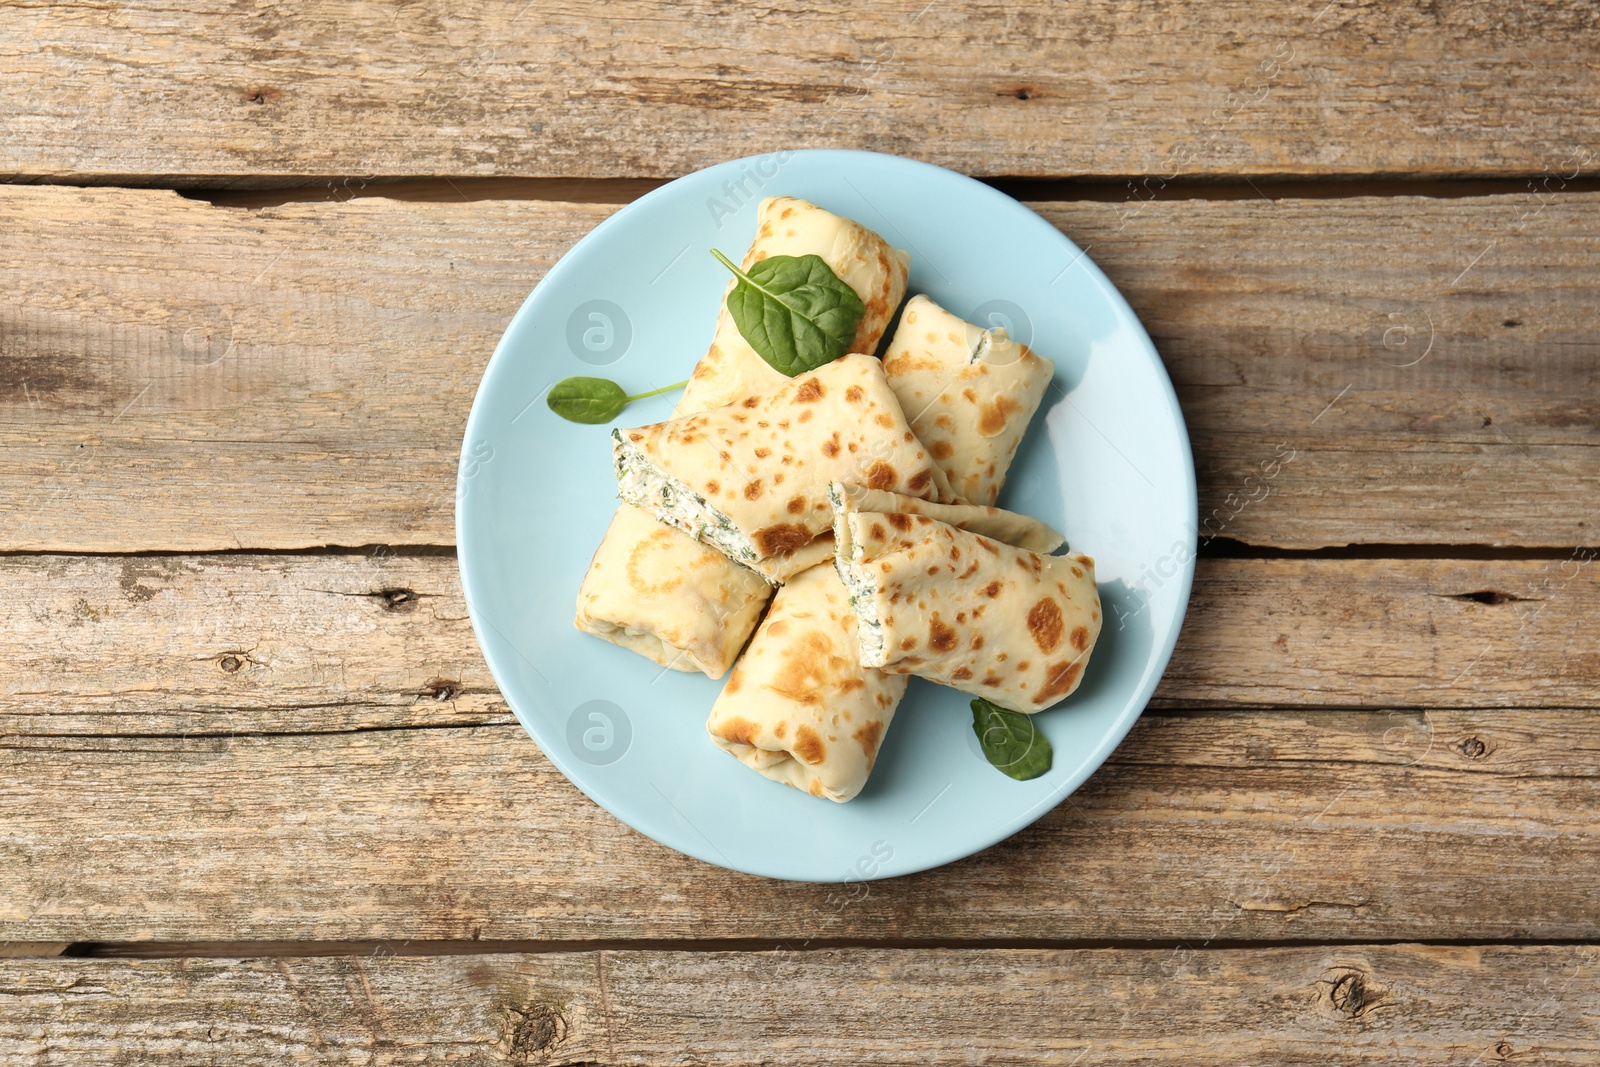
(658, 392)
(743, 277)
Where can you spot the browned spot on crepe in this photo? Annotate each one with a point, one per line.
(941, 450)
(850, 685)
(763, 453)
(941, 635)
(868, 736)
(992, 418)
(752, 401)
(881, 475)
(830, 447)
(808, 746)
(919, 481)
(739, 731)
(641, 577)
(908, 644)
(809, 392)
(809, 665)
(815, 788)
(985, 544)
(1045, 624)
(1057, 682)
(752, 489)
(735, 681)
(991, 590)
(796, 505)
(961, 674)
(1080, 638)
(781, 539)
(781, 730)
(854, 394)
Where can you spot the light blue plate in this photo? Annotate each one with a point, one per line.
(1106, 461)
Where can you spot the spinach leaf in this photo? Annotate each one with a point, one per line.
(594, 400)
(794, 311)
(1010, 741)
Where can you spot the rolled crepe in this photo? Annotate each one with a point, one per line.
(969, 393)
(732, 370)
(751, 479)
(1003, 623)
(628, 596)
(670, 592)
(797, 706)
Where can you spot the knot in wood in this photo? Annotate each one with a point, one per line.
(397, 599)
(441, 689)
(1472, 747)
(1353, 995)
(532, 1030)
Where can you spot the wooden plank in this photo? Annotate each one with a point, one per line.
(1324, 1005)
(229, 90)
(152, 794)
(207, 647)
(179, 376)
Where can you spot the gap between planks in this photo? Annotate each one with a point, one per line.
(1215, 548)
(626, 190)
(150, 950)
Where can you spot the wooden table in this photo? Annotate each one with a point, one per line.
(261, 802)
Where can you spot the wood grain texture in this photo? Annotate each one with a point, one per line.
(179, 376)
(318, 791)
(1308, 826)
(1346, 1005)
(211, 646)
(237, 90)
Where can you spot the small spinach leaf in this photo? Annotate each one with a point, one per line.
(594, 400)
(1010, 741)
(794, 311)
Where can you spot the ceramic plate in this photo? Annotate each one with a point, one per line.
(1106, 460)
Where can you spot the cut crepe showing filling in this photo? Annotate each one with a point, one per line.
(955, 607)
(904, 520)
(969, 393)
(751, 478)
(798, 707)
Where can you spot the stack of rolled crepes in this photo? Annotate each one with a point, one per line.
(799, 707)
(654, 589)
(745, 488)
